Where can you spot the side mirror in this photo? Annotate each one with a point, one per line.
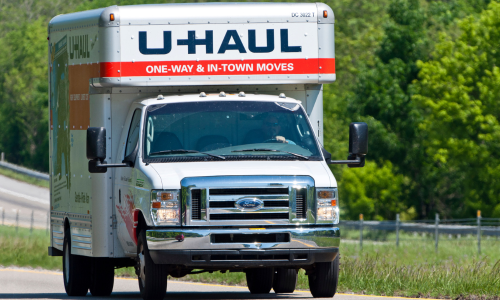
(96, 143)
(96, 151)
(358, 146)
(358, 143)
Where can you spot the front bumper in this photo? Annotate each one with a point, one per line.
(199, 248)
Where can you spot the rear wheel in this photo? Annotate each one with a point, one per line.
(102, 276)
(260, 281)
(323, 282)
(152, 277)
(285, 280)
(76, 270)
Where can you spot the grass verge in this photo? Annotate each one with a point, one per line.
(25, 178)
(412, 270)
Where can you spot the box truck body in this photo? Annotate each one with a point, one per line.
(203, 124)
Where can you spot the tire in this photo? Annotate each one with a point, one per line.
(152, 277)
(323, 282)
(76, 270)
(260, 281)
(285, 280)
(102, 276)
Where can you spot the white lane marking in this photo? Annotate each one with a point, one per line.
(19, 195)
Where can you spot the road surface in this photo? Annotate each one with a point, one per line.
(33, 284)
(17, 196)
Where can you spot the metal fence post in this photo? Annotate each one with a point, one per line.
(479, 232)
(32, 220)
(397, 230)
(17, 220)
(436, 234)
(361, 231)
(2, 157)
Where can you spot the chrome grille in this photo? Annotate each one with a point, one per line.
(222, 204)
(276, 200)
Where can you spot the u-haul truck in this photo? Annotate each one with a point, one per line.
(189, 137)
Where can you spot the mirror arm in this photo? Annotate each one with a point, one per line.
(106, 165)
(357, 161)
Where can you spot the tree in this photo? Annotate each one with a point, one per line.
(458, 93)
(24, 96)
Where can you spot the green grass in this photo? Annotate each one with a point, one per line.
(413, 269)
(22, 177)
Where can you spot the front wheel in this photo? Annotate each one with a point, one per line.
(285, 280)
(260, 281)
(152, 277)
(323, 282)
(76, 270)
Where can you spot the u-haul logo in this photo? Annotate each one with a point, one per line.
(231, 41)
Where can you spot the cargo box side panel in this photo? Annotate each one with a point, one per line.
(74, 60)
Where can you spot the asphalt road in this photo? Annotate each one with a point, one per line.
(25, 199)
(33, 284)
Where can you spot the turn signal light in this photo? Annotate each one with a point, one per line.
(334, 202)
(112, 17)
(156, 204)
(325, 14)
(325, 194)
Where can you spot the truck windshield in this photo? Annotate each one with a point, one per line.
(229, 130)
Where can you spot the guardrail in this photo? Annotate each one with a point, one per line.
(23, 170)
(478, 227)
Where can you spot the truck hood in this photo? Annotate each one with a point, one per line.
(171, 174)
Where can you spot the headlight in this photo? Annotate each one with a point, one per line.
(327, 205)
(165, 208)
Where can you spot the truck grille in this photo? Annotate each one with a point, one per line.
(247, 200)
(222, 204)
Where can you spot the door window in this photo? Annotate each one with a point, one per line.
(133, 133)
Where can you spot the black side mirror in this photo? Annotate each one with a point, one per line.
(96, 143)
(358, 143)
(96, 151)
(358, 146)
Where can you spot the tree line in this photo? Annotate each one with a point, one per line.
(422, 73)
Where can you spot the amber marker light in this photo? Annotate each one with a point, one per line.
(156, 204)
(325, 194)
(325, 14)
(334, 202)
(167, 196)
(112, 17)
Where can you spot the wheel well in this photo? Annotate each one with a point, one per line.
(141, 223)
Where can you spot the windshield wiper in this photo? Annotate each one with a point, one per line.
(179, 151)
(272, 150)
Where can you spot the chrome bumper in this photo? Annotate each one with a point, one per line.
(200, 239)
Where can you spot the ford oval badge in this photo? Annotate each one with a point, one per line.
(249, 204)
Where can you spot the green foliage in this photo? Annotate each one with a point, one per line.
(374, 191)
(458, 93)
(24, 96)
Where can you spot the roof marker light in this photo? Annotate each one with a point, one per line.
(112, 17)
(160, 97)
(325, 14)
(222, 94)
(282, 95)
(241, 94)
(202, 94)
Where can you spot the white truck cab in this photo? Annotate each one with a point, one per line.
(187, 138)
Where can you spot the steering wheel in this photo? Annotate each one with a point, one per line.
(273, 140)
